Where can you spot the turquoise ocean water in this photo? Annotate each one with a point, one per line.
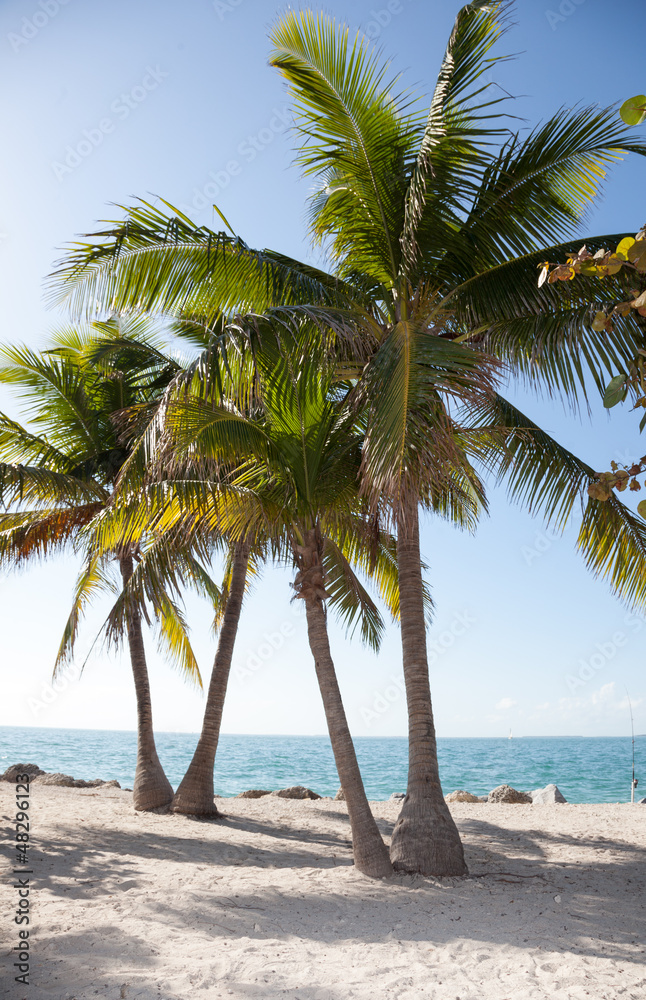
(586, 769)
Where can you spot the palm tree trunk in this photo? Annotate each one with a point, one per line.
(195, 793)
(370, 852)
(425, 838)
(151, 788)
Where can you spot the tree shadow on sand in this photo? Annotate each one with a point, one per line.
(530, 891)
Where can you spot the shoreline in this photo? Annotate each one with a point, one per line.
(504, 793)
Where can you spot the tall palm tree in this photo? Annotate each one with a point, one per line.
(290, 482)
(434, 223)
(195, 793)
(59, 476)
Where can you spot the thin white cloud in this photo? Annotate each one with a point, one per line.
(505, 704)
(601, 704)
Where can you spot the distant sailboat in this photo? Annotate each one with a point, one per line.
(511, 736)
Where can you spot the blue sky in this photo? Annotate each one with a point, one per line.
(102, 102)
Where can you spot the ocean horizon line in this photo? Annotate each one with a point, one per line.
(323, 735)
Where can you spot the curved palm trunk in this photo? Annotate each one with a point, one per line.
(151, 788)
(425, 838)
(370, 852)
(195, 793)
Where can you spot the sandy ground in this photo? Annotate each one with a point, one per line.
(267, 904)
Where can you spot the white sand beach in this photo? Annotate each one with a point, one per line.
(265, 904)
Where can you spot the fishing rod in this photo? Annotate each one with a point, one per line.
(635, 780)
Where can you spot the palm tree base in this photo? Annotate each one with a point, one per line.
(188, 806)
(194, 797)
(374, 865)
(151, 790)
(426, 840)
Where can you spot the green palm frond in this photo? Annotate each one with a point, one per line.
(349, 599)
(21, 484)
(405, 389)
(545, 334)
(19, 446)
(53, 391)
(535, 191)
(461, 117)
(549, 480)
(94, 579)
(613, 542)
(538, 472)
(174, 643)
(160, 262)
(356, 134)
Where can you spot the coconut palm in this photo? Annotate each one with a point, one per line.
(59, 476)
(285, 476)
(434, 223)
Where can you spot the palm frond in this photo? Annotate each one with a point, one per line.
(174, 642)
(93, 579)
(545, 334)
(613, 542)
(349, 599)
(461, 118)
(536, 190)
(38, 534)
(356, 135)
(158, 261)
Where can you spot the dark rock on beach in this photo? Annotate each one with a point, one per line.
(461, 796)
(505, 793)
(253, 793)
(397, 796)
(62, 780)
(67, 781)
(12, 772)
(296, 792)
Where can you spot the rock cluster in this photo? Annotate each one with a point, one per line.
(41, 777)
(12, 772)
(339, 797)
(505, 793)
(461, 796)
(296, 792)
(398, 796)
(253, 793)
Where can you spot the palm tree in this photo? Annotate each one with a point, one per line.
(284, 476)
(434, 224)
(195, 794)
(60, 476)
(415, 210)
